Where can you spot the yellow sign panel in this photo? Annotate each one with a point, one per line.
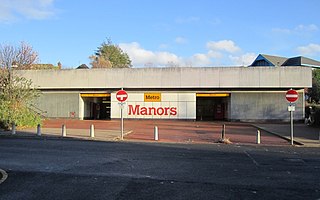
(95, 95)
(213, 94)
(152, 97)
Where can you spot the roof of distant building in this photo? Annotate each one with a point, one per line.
(269, 60)
(83, 66)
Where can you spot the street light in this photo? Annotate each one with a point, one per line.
(13, 65)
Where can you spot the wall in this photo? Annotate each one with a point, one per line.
(59, 105)
(183, 106)
(251, 106)
(164, 78)
(244, 105)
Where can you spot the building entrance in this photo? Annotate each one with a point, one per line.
(212, 107)
(97, 106)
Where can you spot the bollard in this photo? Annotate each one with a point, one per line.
(64, 130)
(223, 132)
(92, 130)
(38, 130)
(13, 128)
(258, 137)
(156, 133)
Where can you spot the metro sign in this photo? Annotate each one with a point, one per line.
(292, 95)
(122, 95)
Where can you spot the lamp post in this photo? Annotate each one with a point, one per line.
(13, 65)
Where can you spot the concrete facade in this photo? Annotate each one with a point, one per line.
(176, 78)
(250, 106)
(248, 94)
(59, 104)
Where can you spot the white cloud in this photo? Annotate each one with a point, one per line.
(245, 59)
(11, 10)
(281, 30)
(224, 52)
(141, 57)
(223, 45)
(309, 28)
(309, 50)
(215, 54)
(200, 60)
(180, 40)
(300, 29)
(163, 46)
(187, 20)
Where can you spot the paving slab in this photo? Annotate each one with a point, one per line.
(306, 135)
(174, 131)
(170, 131)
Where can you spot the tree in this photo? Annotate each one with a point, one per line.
(315, 91)
(16, 93)
(23, 56)
(16, 100)
(110, 55)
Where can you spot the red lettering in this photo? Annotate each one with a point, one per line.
(137, 110)
(160, 111)
(152, 111)
(134, 111)
(173, 111)
(166, 110)
(144, 111)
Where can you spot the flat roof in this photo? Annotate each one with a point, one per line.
(171, 78)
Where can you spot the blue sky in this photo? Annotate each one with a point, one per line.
(164, 32)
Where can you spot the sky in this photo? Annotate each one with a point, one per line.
(164, 33)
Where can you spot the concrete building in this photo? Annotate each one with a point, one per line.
(215, 93)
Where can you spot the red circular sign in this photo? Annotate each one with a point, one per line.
(292, 95)
(122, 95)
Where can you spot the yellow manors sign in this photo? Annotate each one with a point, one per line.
(152, 97)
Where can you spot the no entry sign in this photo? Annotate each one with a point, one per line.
(292, 95)
(122, 95)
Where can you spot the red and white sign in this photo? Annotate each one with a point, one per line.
(292, 95)
(153, 111)
(122, 95)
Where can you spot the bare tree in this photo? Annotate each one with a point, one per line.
(23, 56)
(99, 62)
(16, 93)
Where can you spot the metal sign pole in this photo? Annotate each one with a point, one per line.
(291, 125)
(121, 96)
(291, 96)
(121, 114)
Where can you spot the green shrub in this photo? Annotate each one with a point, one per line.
(21, 116)
(317, 114)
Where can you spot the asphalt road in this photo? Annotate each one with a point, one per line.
(73, 169)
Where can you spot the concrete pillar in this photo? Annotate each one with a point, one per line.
(64, 130)
(38, 130)
(156, 133)
(13, 128)
(258, 137)
(223, 132)
(92, 130)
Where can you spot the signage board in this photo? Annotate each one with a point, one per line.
(122, 95)
(152, 97)
(292, 95)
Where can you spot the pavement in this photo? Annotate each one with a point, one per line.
(302, 134)
(176, 131)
